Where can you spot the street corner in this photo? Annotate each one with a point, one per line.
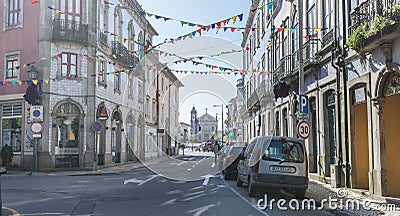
(9, 211)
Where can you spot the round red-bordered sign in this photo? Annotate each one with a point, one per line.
(97, 126)
(36, 127)
(303, 129)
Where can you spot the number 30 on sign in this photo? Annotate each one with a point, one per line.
(303, 129)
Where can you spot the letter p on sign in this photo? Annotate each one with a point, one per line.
(303, 104)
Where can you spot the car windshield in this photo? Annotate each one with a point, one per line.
(284, 151)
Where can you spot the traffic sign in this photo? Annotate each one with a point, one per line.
(36, 128)
(303, 104)
(97, 126)
(36, 113)
(303, 129)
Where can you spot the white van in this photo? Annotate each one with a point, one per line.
(274, 162)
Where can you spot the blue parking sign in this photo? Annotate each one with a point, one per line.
(303, 104)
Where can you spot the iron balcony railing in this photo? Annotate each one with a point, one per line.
(71, 31)
(284, 69)
(103, 38)
(295, 62)
(123, 55)
(327, 38)
(367, 10)
(310, 48)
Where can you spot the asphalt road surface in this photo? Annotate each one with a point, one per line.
(188, 185)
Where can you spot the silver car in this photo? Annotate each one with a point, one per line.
(274, 162)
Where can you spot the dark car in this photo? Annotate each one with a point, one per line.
(231, 161)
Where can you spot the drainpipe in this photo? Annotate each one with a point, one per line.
(339, 117)
(345, 104)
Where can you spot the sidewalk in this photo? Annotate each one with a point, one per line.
(113, 169)
(321, 192)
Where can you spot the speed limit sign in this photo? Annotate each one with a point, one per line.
(303, 129)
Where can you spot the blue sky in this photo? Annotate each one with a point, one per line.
(202, 91)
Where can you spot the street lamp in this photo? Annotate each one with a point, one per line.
(222, 119)
(32, 96)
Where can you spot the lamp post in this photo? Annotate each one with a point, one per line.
(222, 119)
(32, 96)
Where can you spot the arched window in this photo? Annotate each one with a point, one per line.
(131, 36)
(140, 41)
(118, 23)
(67, 134)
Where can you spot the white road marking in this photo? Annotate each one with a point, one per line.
(244, 199)
(213, 165)
(207, 179)
(178, 164)
(193, 166)
(222, 186)
(189, 169)
(134, 180)
(149, 179)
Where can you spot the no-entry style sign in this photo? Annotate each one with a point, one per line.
(36, 129)
(97, 126)
(303, 129)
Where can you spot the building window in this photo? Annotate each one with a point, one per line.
(12, 126)
(103, 72)
(13, 13)
(12, 64)
(72, 11)
(67, 132)
(130, 87)
(277, 128)
(140, 92)
(140, 42)
(131, 36)
(117, 81)
(285, 122)
(148, 111)
(154, 110)
(69, 64)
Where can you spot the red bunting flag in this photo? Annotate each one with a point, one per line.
(35, 1)
(199, 31)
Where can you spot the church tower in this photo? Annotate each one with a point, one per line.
(193, 120)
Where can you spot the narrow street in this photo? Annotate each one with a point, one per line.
(137, 192)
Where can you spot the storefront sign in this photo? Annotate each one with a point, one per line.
(67, 151)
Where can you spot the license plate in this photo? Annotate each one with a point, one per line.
(285, 169)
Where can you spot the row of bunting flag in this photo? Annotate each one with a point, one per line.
(59, 79)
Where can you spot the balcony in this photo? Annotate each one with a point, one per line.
(103, 38)
(365, 13)
(284, 69)
(295, 63)
(123, 55)
(327, 38)
(70, 31)
(310, 48)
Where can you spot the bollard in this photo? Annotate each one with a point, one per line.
(2, 171)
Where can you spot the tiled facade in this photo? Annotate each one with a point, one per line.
(82, 63)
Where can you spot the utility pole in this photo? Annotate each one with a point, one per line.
(300, 52)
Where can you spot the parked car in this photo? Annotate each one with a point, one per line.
(274, 162)
(231, 161)
(221, 156)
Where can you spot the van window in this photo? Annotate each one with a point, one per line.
(284, 151)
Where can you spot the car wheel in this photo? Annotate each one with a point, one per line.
(251, 189)
(239, 182)
(300, 194)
